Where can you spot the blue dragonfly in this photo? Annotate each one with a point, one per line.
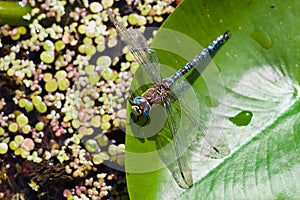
(162, 92)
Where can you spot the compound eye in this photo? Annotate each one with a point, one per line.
(136, 110)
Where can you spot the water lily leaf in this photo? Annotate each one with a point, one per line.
(253, 82)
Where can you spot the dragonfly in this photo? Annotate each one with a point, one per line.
(161, 92)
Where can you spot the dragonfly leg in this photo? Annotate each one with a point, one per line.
(136, 119)
(146, 121)
(139, 128)
(130, 96)
(138, 122)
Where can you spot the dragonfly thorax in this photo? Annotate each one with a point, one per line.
(156, 94)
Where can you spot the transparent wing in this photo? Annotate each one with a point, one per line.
(180, 168)
(137, 43)
(189, 137)
(205, 142)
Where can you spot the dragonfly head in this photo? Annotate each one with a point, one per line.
(140, 106)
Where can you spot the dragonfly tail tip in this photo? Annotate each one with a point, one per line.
(227, 34)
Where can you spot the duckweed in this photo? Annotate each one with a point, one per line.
(2, 131)
(99, 158)
(34, 157)
(105, 125)
(51, 85)
(13, 145)
(95, 7)
(91, 145)
(29, 106)
(48, 45)
(94, 77)
(13, 127)
(18, 151)
(96, 121)
(59, 45)
(107, 3)
(3, 148)
(24, 153)
(39, 126)
(133, 18)
(38, 104)
(47, 57)
(26, 129)
(47, 77)
(63, 84)
(27, 144)
(23, 102)
(71, 96)
(104, 61)
(102, 140)
(112, 150)
(22, 120)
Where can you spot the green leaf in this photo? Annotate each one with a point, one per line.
(257, 71)
(12, 13)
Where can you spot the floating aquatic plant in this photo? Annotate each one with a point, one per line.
(60, 93)
(3, 148)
